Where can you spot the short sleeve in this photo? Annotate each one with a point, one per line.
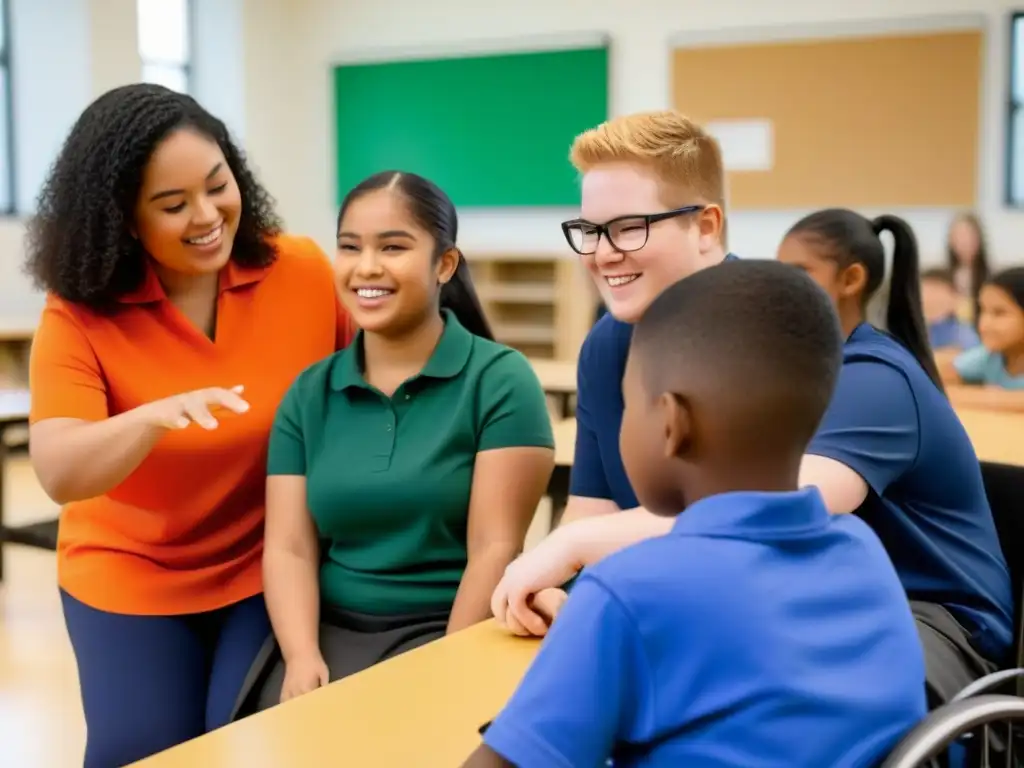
(65, 377)
(973, 364)
(286, 454)
(871, 424)
(580, 694)
(587, 477)
(513, 407)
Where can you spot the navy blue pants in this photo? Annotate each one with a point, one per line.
(151, 682)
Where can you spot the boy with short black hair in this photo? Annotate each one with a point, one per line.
(761, 630)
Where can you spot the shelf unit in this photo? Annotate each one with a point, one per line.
(541, 304)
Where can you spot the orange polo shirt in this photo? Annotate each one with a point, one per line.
(184, 532)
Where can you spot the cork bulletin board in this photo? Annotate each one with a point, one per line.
(883, 121)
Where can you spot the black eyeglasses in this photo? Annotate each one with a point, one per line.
(624, 233)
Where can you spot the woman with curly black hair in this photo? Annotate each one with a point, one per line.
(177, 316)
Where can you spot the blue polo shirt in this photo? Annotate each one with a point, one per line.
(952, 332)
(889, 423)
(760, 631)
(597, 470)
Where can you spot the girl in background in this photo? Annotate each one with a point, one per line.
(994, 371)
(967, 253)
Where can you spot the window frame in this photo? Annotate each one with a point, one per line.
(186, 67)
(1014, 108)
(10, 145)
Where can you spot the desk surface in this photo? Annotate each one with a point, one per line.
(13, 405)
(997, 437)
(565, 441)
(420, 709)
(17, 329)
(556, 376)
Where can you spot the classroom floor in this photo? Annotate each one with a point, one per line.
(41, 722)
(40, 715)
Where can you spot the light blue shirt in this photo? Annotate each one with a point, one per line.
(980, 366)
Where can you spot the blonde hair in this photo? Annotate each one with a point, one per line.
(685, 157)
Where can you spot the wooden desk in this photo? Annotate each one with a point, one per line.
(43, 535)
(565, 442)
(17, 330)
(996, 436)
(558, 379)
(565, 448)
(420, 709)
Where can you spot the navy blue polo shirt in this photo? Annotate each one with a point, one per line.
(597, 470)
(760, 631)
(951, 332)
(890, 424)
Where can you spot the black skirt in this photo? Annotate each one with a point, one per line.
(349, 642)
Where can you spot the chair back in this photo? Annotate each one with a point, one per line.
(930, 739)
(1004, 486)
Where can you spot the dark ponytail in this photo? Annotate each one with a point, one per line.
(459, 296)
(435, 212)
(852, 239)
(1011, 282)
(905, 316)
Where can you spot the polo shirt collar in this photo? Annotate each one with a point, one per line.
(752, 514)
(447, 361)
(232, 276)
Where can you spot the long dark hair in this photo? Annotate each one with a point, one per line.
(79, 243)
(435, 212)
(852, 239)
(980, 269)
(1011, 281)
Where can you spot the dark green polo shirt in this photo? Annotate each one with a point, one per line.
(388, 479)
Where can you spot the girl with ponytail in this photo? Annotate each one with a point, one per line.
(403, 470)
(891, 450)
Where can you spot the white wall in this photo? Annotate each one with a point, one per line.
(288, 98)
(218, 63)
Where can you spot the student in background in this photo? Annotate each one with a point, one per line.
(994, 370)
(415, 458)
(889, 449)
(177, 317)
(939, 300)
(761, 630)
(967, 254)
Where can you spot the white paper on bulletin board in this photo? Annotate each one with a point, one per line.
(747, 145)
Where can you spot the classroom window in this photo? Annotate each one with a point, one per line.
(6, 114)
(165, 43)
(1015, 126)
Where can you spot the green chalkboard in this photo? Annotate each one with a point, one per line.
(490, 130)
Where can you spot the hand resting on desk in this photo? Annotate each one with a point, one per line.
(547, 603)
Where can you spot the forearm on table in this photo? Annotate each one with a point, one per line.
(80, 460)
(484, 570)
(597, 537)
(291, 586)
